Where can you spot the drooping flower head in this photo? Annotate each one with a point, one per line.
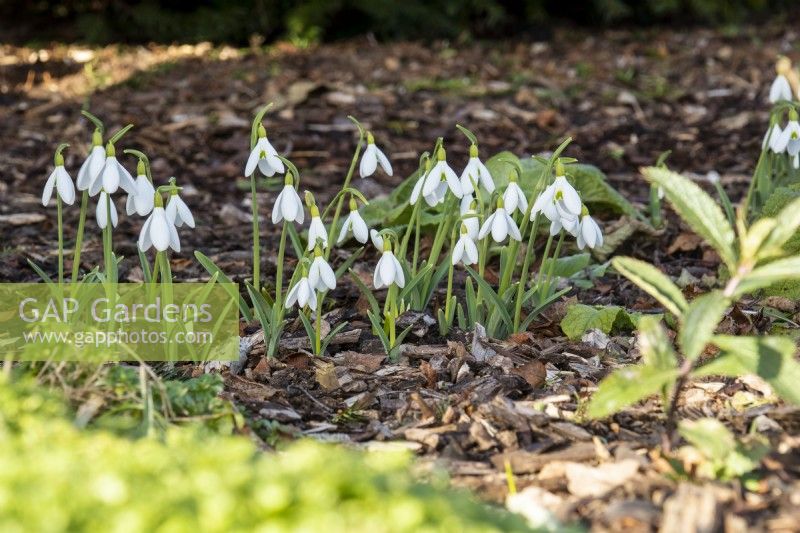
(789, 141)
(264, 157)
(589, 233)
(559, 201)
(465, 250)
(355, 223)
(388, 271)
(471, 220)
(441, 172)
(288, 205)
(316, 230)
(475, 173)
(373, 156)
(177, 210)
(159, 230)
(113, 175)
(781, 89)
(321, 275)
(60, 181)
(500, 224)
(513, 197)
(141, 201)
(93, 164)
(302, 293)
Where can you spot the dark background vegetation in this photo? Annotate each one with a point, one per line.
(103, 21)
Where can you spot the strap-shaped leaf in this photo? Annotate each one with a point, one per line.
(769, 357)
(499, 306)
(232, 288)
(764, 276)
(699, 322)
(653, 282)
(697, 209)
(627, 386)
(654, 344)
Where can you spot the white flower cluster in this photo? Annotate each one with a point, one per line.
(784, 139)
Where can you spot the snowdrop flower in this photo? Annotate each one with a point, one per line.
(500, 224)
(93, 164)
(354, 223)
(713, 177)
(559, 192)
(178, 212)
(471, 221)
(105, 205)
(466, 203)
(589, 233)
(377, 239)
(780, 88)
(316, 231)
(112, 176)
(158, 230)
(476, 172)
(321, 275)
(388, 269)
(438, 195)
(772, 138)
(514, 198)
(372, 157)
(302, 293)
(60, 180)
(141, 201)
(416, 192)
(465, 249)
(264, 156)
(567, 222)
(288, 205)
(789, 140)
(439, 171)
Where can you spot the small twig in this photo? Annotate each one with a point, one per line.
(310, 397)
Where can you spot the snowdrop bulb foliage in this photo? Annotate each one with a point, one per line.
(441, 170)
(465, 250)
(388, 270)
(105, 206)
(355, 223)
(159, 231)
(589, 233)
(514, 198)
(178, 212)
(372, 158)
(264, 157)
(477, 173)
(288, 205)
(321, 275)
(60, 180)
(316, 231)
(500, 224)
(302, 294)
(93, 164)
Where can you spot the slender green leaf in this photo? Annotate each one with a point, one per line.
(297, 244)
(377, 328)
(345, 266)
(329, 337)
(699, 322)
(42, 274)
(262, 309)
(413, 282)
(499, 306)
(698, 210)
(212, 269)
(653, 282)
(762, 277)
(373, 303)
(310, 332)
(147, 274)
(769, 357)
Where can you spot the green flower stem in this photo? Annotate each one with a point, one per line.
(438, 240)
(279, 271)
(108, 256)
(407, 234)
(318, 328)
(256, 234)
(76, 256)
(60, 216)
(523, 279)
(390, 313)
(450, 279)
(552, 267)
(540, 275)
(333, 233)
(417, 232)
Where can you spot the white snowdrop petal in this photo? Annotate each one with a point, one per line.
(487, 226)
(360, 229)
(499, 226)
(486, 177)
(377, 281)
(473, 227)
(144, 235)
(386, 267)
(100, 212)
(386, 165)
(327, 275)
(377, 239)
(369, 161)
(66, 189)
(159, 229)
(346, 226)
(277, 215)
(471, 250)
(291, 298)
(110, 176)
(432, 179)
(130, 204)
(47, 193)
(185, 213)
(303, 293)
(275, 163)
(458, 251)
(452, 181)
(513, 230)
(417, 190)
(400, 277)
(252, 161)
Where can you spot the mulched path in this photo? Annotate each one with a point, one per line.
(468, 405)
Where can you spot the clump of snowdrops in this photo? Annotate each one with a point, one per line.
(477, 224)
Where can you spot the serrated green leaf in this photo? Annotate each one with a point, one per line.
(698, 210)
(627, 386)
(581, 318)
(653, 282)
(781, 270)
(655, 346)
(699, 322)
(771, 358)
